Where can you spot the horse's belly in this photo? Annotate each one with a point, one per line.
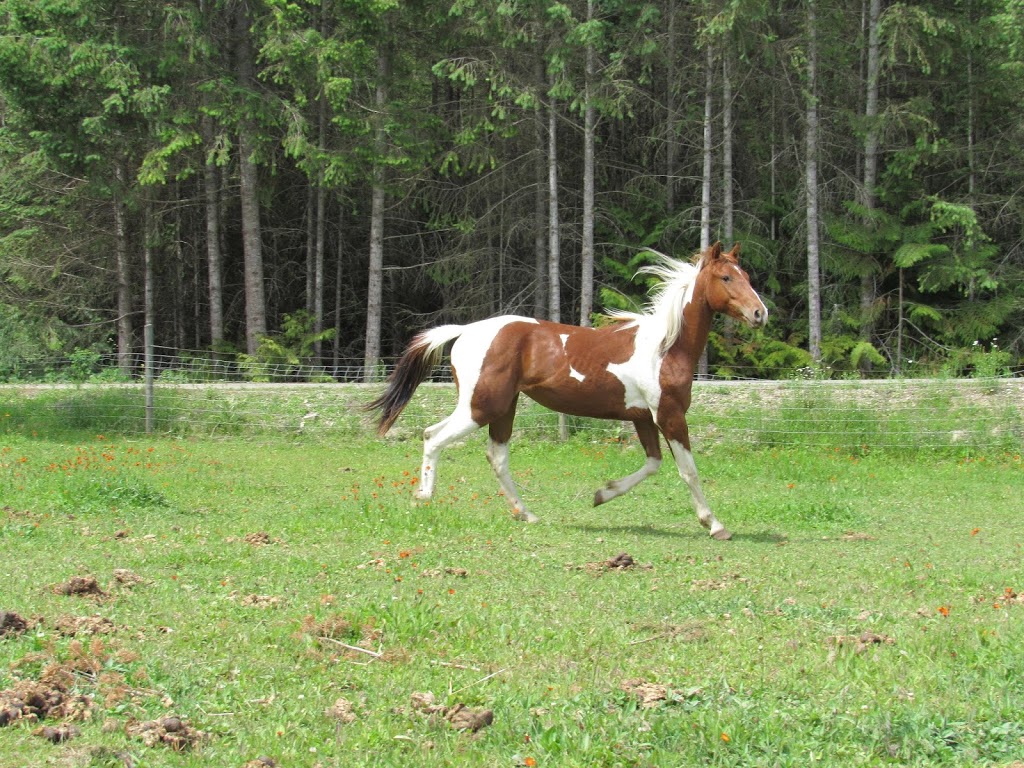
(581, 400)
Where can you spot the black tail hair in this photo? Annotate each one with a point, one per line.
(412, 369)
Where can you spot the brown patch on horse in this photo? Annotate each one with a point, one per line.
(562, 367)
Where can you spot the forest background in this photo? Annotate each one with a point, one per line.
(267, 177)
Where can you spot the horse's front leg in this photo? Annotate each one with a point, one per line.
(500, 430)
(679, 442)
(650, 441)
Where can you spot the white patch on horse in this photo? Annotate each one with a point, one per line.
(641, 373)
(565, 339)
(576, 374)
(471, 348)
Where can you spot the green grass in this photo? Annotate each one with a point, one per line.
(916, 548)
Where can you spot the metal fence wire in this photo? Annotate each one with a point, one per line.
(201, 395)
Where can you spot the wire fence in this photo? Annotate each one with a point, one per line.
(980, 415)
(170, 365)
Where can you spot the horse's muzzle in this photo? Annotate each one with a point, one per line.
(756, 317)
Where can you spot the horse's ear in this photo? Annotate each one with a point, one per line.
(735, 252)
(715, 251)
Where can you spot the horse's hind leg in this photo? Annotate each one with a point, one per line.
(435, 438)
(650, 441)
(500, 431)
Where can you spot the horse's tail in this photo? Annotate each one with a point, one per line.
(423, 353)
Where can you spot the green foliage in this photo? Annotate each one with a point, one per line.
(281, 357)
(981, 361)
(129, 107)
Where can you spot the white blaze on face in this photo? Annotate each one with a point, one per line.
(640, 374)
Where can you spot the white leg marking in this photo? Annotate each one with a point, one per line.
(688, 471)
(616, 488)
(459, 424)
(497, 454)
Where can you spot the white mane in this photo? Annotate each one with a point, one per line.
(664, 309)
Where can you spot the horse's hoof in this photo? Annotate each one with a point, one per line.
(526, 517)
(599, 498)
(722, 534)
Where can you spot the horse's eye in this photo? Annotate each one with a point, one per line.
(726, 278)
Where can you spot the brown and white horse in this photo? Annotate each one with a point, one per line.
(639, 368)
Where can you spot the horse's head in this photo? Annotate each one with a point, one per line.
(727, 287)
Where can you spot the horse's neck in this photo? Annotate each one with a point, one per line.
(693, 336)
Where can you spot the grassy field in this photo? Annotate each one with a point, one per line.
(284, 597)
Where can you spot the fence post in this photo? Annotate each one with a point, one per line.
(148, 366)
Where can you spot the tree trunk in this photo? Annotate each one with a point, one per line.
(321, 217)
(310, 247)
(375, 287)
(671, 147)
(252, 236)
(339, 275)
(318, 269)
(813, 252)
(540, 203)
(211, 198)
(587, 251)
(554, 239)
(124, 291)
(705, 187)
(727, 134)
(554, 244)
(867, 279)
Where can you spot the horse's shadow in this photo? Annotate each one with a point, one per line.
(651, 531)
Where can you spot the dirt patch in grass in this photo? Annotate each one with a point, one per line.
(11, 623)
(620, 562)
(254, 539)
(458, 716)
(342, 710)
(72, 626)
(171, 731)
(650, 695)
(59, 734)
(859, 643)
(48, 697)
(434, 573)
(126, 578)
(258, 601)
(1005, 599)
(688, 633)
(80, 586)
(352, 640)
(712, 585)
